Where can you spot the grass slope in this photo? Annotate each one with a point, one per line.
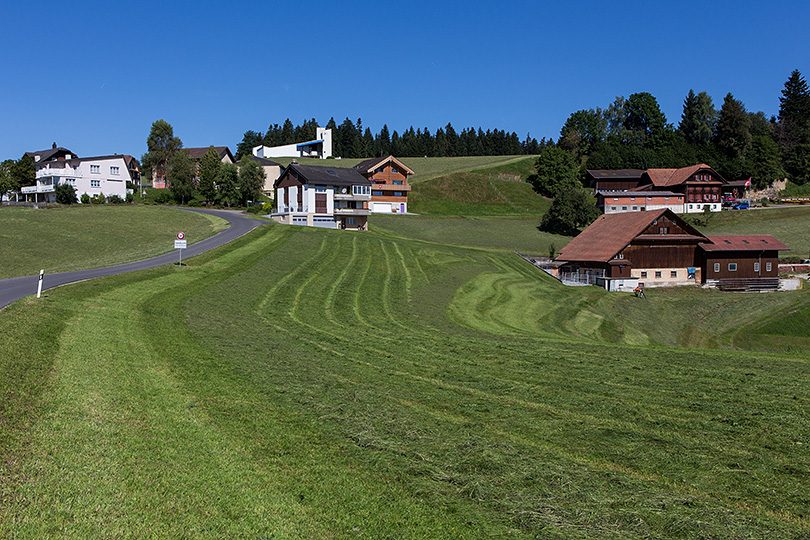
(78, 237)
(309, 383)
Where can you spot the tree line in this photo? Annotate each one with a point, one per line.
(352, 140)
(633, 133)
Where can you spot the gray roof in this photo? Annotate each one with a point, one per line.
(327, 176)
(264, 162)
(615, 174)
(45, 155)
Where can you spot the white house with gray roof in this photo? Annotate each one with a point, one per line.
(321, 147)
(328, 197)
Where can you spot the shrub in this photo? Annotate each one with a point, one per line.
(194, 203)
(115, 199)
(85, 198)
(65, 194)
(267, 208)
(98, 199)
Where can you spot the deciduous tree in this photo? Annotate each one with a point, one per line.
(209, 166)
(161, 145)
(250, 180)
(570, 212)
(556, 171)
(227, 184)
(180, 175)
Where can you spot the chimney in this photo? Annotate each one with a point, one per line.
(54, 146)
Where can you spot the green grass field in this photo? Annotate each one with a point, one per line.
(328, 384)
(78, 237)
(424, 168)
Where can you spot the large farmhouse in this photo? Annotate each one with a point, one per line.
(656, 248)
(697, 186)
(328, 197)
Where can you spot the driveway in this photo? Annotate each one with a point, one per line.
(14, 289)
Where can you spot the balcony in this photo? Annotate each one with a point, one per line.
(37, 189)
(67, 172)
(352, 196)
(352, 212)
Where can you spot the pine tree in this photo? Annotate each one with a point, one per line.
(793, 133)
(698, 119)
(733, 129)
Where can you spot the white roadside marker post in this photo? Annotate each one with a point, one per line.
(39, 285)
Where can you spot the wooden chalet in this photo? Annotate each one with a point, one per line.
(700, 185)
(389, 176)
(658, 248)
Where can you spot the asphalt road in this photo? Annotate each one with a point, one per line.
(14, 289)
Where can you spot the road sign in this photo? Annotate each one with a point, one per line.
(180, 236)
(179, 244)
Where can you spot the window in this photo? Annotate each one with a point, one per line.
(663, 230)
(361, 190)
(632, 198)
(756, 267)
(394, 171)
(397, 182)
(624, 208)
(716, 267)
(767, 267)
(350, 221)
(377, 193)
(397, 194)
(673, 273)
(613, 208)
(615, 198)
(620, 256)
(95, 183)
(732, 267)
(658, 273)
(320, 189)
(95, 169)
(635, 208)
(113, 170)
(643, 273)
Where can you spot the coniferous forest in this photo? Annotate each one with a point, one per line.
(631, 132)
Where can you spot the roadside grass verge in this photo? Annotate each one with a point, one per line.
(88, 236)
(327, 384)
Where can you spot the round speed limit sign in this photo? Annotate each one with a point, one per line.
(180, 236)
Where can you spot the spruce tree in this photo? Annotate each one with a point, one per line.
(733, 129)
(698, 119)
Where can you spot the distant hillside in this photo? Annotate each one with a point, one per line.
(424, 167)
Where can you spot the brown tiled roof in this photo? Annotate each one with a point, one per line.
(369, 165)
(751, 242)
(611, 233)
(198, 153)
(607, 236)
(675, 177)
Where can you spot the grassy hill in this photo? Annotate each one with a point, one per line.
(88, 236)
(311, 383)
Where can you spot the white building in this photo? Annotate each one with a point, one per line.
(333, 198)
(321, 147)
(107, 175)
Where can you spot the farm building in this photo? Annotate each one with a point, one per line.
(698, 185)
(389, 192)
(658, 248)
(612, 202)
(333, 198)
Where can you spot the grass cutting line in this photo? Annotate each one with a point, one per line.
(407, 272)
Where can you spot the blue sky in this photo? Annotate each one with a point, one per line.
(93, 76)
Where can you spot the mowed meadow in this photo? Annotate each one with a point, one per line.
(303, 383)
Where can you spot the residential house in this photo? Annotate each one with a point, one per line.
(329, 197)
(389, 176)
(94, 176)
(657, 248)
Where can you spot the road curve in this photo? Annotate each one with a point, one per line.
(13, 289)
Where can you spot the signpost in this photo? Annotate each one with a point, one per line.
(39, 286)
(180, 245)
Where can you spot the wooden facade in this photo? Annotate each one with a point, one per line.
(660, 248)
(390, 187)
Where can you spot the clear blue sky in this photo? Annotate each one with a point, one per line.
(93, 76)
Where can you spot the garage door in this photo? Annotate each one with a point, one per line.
(324, 222)
(299, 220)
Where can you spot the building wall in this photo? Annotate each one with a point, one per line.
(745, 261)
(383, 181)
(666, 276)
(91, 176)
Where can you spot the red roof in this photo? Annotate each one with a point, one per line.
(675, 177)
(608, 235)
(752, 242)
